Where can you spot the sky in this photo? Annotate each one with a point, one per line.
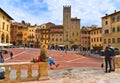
(43, 11)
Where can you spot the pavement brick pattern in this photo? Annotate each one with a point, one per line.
(66, 60)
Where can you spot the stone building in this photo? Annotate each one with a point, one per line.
(56, 37)
(111, 30)
(5, 23)
(31, 41)
(43, 33)
(19, 34)
(71, 32)
(85, 38)
(96, 39)
(38, 36)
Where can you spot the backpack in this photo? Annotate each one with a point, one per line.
(112, 52)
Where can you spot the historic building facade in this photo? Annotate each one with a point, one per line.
(71, 32)
(31, 41)
(96, 39)
(19, 34)
(85, 38)
(111, 30)
(5, 23)
(56, 37)
(38, 36)
(13, 32)
(22, 35)
(43, 32)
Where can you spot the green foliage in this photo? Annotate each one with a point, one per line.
(83, 27)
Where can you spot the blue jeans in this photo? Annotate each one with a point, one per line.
(51, 61)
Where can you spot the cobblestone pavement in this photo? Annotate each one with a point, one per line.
(66, 60)
(81, 75)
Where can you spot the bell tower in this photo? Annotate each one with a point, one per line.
(67, 25)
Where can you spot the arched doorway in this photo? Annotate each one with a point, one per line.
(3, 38)
(74, 47)
(7, 39)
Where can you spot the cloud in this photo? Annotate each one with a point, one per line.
(42, 11)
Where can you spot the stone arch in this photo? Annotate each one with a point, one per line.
(7, 39)
(74, 47)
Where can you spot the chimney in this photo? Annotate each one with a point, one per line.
(114, 11)
(106, 14)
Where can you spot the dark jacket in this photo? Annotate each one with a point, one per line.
(108, 53)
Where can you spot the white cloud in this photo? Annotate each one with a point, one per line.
(42, 11)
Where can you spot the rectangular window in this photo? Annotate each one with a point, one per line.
(7, 27)
(113, 19)
(106, 22)
(113, 29)
(113, 40)
(94, 39)
(52, 39)
(97, 39)
(104, 41)
(100, 31)
(118, 18)
(3, 25)
(77, 33)
(100, 39)
(60, 39)
(56, 39)
(72, 34)
(118, 29)
(109, 41)
(118, 40)
(106, 31)
(66, 35)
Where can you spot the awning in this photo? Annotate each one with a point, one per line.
(5, 44)
(9, 44)
(61, 45)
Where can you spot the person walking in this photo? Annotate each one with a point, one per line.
(11, 55)
(108, 60)
(1, 57)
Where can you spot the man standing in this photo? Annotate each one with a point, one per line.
(108, 60)
(113, 57)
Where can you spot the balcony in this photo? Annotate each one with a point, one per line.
(42, 71)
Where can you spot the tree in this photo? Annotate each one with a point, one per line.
(23, 22)
(83, 27)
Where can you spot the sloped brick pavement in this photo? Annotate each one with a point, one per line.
(66, 60)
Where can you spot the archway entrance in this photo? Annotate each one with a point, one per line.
(3, 38)
(74, 47)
